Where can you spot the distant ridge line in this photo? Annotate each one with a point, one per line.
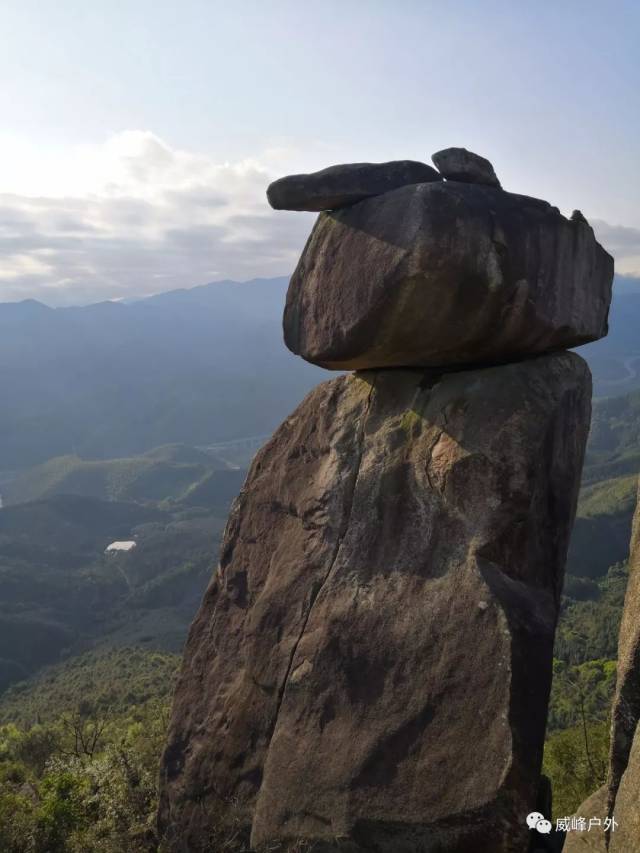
(249, 443)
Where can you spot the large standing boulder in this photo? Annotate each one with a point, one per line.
(382, 619)
(445, 274)
(339, 186)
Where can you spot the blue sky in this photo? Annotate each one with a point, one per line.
(138, 137)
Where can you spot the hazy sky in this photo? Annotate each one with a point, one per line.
(137, 138)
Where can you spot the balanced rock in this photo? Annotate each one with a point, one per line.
(440, 274)
(458, 164)
(370, 667)
(340, 186)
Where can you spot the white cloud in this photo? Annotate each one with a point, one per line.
(134, 216)
(623, 243)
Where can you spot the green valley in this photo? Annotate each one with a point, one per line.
(90, 641)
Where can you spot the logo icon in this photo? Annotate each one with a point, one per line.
(537, 821)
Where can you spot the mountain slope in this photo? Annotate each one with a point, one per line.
(609, 487)
(154, 476)
(61, 593)
(193, 366)
(615, 360)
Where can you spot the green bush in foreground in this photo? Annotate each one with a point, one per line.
(576, 760)
(85, 783)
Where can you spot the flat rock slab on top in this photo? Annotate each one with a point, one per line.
(458, 164)
(339, 186)
(445, 273)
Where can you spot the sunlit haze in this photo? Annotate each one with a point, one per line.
(138, 139)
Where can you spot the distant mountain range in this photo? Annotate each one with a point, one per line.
(112, 380)
(198, 366)
(172, 473)
(615, 360)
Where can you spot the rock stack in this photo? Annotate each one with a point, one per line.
(370, 667)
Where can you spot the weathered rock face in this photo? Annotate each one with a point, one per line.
(339, 186)
(624, 769)
(621, 797)
(458, 164)
(626, 705)
(383, 616)
(445, 274)
(626, 837)
(593, 841)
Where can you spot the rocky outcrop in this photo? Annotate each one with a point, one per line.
(458, 164)
(626, 705)
(624, 768)
(626, 810)
(370, 668)
(339, 186)
(621, 799)
(445, 274)
(594, 840)
(383, 616)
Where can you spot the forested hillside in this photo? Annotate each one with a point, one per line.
(62, 594)
(164, 473)
(90, 641)
(587, 638)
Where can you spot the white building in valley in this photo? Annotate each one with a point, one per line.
(116, 547)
